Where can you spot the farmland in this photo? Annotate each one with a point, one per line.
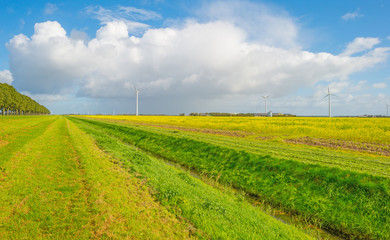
(159, 177)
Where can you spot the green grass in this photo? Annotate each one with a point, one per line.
(352, 203)
(15, 132)
(357, 162)
(57, 184)
(214, 214)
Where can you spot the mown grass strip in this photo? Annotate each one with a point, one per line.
(351, 203)
(61, 186)
(123, 205)
(16, 135)
(217, 215)
(42, 192)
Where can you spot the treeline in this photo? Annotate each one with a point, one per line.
(14, 103)
(219, 114)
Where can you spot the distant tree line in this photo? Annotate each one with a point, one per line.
(14, 103)
(219, 114)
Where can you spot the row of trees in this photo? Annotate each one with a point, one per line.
(221, 114)
(14, 103)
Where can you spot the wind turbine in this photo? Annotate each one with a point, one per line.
(329, 95)
(266, 98)
(387, 108)
(137, 90)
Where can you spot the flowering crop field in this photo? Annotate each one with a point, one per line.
(332, 173)
(373, 130)
(370, 135)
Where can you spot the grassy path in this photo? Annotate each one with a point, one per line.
(59, 185)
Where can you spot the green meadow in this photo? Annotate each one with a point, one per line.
(80, 178)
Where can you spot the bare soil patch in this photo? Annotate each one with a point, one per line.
(374, 148)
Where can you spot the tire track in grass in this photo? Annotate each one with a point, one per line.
(123, 205)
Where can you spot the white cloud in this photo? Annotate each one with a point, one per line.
(50, 9)
(352, 15)
(199, 60)
(270, 25)
(129, 15)
(219, 60)
(379, 85)
(138, 14)
(46, 98)
(6, 77)
(359, 45)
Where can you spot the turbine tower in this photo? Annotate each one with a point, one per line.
(387, 108)
(330, 107)
(137, 90)
(265, 99)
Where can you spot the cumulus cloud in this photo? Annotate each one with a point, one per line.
(50, 9)
(205, 62)
(270, 25)
(379, 85)
(360, 44)
(6, 77)
(352, 15)
(207, 59)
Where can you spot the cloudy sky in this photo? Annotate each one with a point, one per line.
(198, 56)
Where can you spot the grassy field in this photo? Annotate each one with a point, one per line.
(345, 191)
(55, 183)
(118, 177)
(65, 178)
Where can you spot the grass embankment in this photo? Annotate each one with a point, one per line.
(354, 204)
(352, 161)
(57, 184)
(216, 214)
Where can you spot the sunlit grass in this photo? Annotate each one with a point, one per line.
(215, 214)
(346, 201)
(57, 184)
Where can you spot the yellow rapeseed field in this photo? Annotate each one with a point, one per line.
(370, 130)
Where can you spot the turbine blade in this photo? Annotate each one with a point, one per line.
(327, 95)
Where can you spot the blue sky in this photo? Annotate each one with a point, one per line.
(198, 56)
